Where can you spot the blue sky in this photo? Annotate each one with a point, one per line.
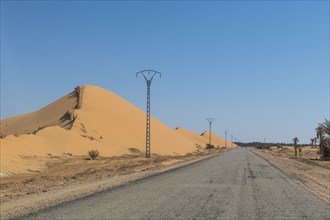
(260, 68)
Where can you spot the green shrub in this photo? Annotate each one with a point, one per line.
(209, 146)
(93, 154)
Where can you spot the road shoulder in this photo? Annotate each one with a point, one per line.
(313, 176)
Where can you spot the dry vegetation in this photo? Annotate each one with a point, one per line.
(309, 168)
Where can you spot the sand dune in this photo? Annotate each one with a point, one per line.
(199, 141)
(217, 140)
(88, 118)
(203, 139)
(112, 121)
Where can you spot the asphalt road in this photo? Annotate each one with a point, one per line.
(236, 185)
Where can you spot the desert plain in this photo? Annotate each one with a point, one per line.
(44, 154)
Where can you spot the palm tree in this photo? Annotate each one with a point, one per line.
(295, 145)
(315, 141)
(323, 134)
(326, 127)
(319, 132)
(312, 142)
(295, 141)
(320, 137)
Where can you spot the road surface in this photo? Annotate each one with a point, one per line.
(235, 185)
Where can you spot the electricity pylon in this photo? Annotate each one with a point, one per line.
(226, 131)
(148, 76)
(210, 120)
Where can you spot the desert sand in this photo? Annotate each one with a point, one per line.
(88, 118)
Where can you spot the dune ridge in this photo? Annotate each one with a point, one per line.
(59, 113)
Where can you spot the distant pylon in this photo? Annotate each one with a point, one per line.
(226, 131)
(210, 120)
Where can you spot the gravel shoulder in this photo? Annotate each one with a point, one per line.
(308, 169)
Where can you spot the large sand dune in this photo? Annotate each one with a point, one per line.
(88, 118)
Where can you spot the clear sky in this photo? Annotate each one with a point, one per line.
(260, 68)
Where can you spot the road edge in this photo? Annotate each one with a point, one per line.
(34, 203)
(293, 178)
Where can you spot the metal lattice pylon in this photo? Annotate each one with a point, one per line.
(226, 131)
(148, 76)
(210, 120)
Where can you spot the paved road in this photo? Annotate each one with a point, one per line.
(236, 185)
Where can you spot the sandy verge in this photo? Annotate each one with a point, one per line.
(308, 169)
(68, 178)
